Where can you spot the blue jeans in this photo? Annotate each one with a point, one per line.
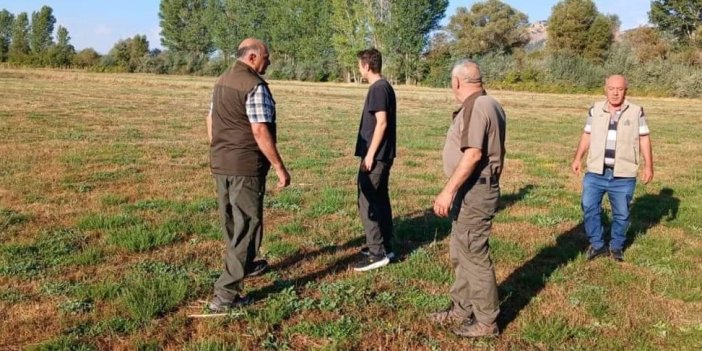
(620, 192)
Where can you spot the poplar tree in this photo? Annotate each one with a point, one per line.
(184, 26)
(6, 21)
(19, 46)
(40, 39)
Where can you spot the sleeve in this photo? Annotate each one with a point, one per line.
(378, 99)
(643, 126)
(588, 123)
(474, 133)
(260, 107)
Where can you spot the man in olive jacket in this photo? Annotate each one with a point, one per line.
(242, 132)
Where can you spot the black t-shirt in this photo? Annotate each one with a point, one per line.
(381, 97)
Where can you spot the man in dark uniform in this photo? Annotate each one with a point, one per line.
(473, 158)
(242, 131)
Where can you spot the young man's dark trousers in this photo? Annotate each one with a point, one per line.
(240, 201)
(374, 207)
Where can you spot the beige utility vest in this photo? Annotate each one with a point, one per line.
(626, 157)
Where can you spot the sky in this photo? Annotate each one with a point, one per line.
(101, 23)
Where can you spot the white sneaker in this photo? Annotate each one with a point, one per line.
(371, 262)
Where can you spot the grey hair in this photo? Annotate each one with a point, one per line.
(467, 71)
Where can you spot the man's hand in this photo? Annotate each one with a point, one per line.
(647, 175)
(367, 163)
(442, 204)
(283, 177)
(575, 166)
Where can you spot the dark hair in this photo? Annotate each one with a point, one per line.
(371, 57)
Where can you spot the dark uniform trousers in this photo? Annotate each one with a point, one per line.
(240, 201)
(374, 207)
(475, 289)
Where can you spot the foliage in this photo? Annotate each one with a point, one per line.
(61, 54)
(576, 28)
(230, 21)
(40, 38)
(681, 18)
(86, 58)
(19, 48)
(184, 26)
(489, 27)
(647, 44)
(6, 21)
(127, 54)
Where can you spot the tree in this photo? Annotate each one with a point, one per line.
(407, 34)
(86, 58)
(231, 21)
(489, 27)
(679, 17)
(576, 28)
(6, 20)
(646, 43)
(349, 34)
(127, 54)
(300, 32)
(184, 26)
(40, 38)
(19, 47)
(61, 54)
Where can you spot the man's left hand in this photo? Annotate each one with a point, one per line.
(442, 204)
(367, 163)
(647, 175)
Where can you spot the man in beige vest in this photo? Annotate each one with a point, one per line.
(241, 127)
(473, 158)
(615, 137)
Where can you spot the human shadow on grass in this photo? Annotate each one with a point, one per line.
(523, 284)
(423, 227)
(413, 231)
(649, 210)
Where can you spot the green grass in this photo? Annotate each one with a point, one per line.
(110, 233)
(152, 290)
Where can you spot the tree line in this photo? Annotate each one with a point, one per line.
(317, 41)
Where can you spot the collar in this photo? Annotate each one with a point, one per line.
(625, 105)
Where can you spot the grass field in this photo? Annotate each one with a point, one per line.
(109, 233)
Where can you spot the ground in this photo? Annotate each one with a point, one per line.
(109, 235)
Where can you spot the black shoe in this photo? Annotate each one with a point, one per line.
(257, 268)
(617, 255)
(390, 255)
(592, 253)
(371, 262)
(220, 305)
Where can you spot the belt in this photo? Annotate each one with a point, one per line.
(491, 179)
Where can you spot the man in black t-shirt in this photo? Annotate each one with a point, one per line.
(376, 148)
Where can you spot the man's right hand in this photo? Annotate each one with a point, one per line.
(283, 176)
(575, 166)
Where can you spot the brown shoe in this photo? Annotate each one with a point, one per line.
(449, 315)
(477, 330)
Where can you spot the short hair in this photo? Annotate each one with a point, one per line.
(245, 50)
(467, 71)
(371, 57)
(626, 81)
